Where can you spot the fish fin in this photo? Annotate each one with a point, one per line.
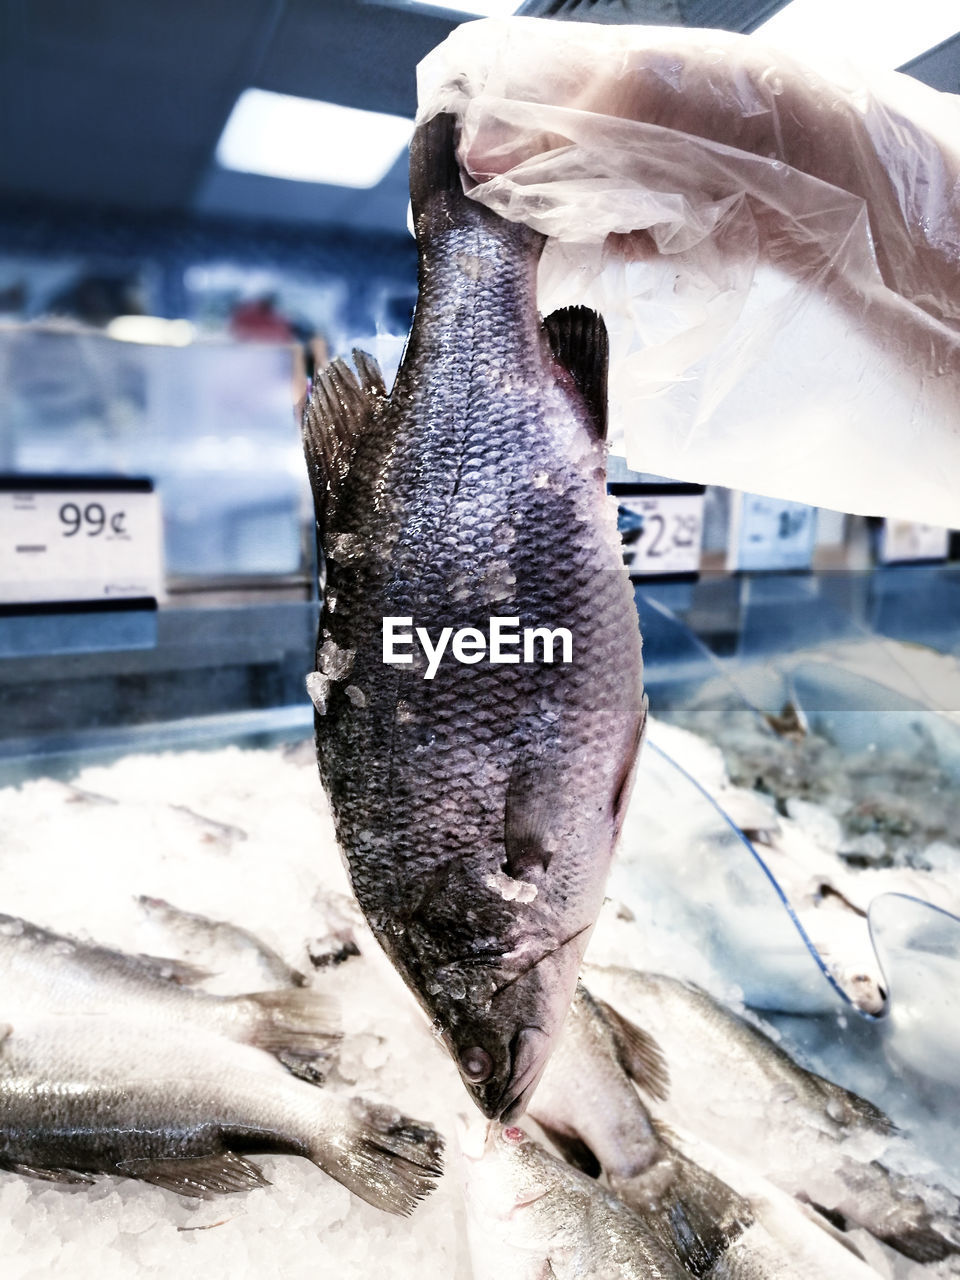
(312, 1070)
(295, 1021)
(578, 340)
(528, 811)
(336, 415)
(697, 1214)
(74, 1177)
(922, 1243)
(385, 1158)
(850, 1110)
(6, 1031)
(371, 379)
(573, 1149)
(621, 797)
(434, 168)
(639, 1054)
(200, 1176)
(336, 948)
(829, 1221)
(665, 1132)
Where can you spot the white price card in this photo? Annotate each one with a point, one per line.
(770, 533)
(661, 526)
(903, 540)
(77, 538)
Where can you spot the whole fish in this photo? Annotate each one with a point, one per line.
(203, 937)
(477, 801)
(587, 1105)
(532, 1217)
(45, 971)
(733, 1086)
(181, 1108)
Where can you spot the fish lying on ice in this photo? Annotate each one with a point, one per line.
(532, 1217)
(587, 1105)
(45, 971)
(205, 936)
(86, 1095)
(740, 1091)
(477, 801)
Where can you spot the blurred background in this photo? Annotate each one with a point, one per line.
(200, 204)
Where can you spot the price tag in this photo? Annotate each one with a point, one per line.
(770, 533)
(902, 541)
(72, 538)
(661, 526)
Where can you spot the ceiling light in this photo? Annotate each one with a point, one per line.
(309, 141)
(884, 33)
(153, 330)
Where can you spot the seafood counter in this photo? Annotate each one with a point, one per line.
(674, 1132)
(468, 1048)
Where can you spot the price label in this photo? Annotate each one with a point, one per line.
(661, 526)
(770, 533)
(903, 540)
(70, 538)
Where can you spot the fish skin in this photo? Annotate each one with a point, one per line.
(88, 1095)
(203, 933)
(477, 811)
(587, 1094)
(43, 970)
(742, 1092)
(532, 1217)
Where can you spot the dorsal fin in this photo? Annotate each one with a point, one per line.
(578, 340)
(335, 416)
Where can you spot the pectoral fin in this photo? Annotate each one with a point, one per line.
(339, 410)
(578, 340)
(526, 821)
(573, 1149)
(639, 1054)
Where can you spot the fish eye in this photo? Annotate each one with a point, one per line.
(477, 1065)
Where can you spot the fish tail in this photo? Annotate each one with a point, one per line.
(384, 1157)
(438, 190)
(435, 181)
(294, 1022)
(894, 1208)
(696, 1214)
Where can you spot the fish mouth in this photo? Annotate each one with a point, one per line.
(529, 1050)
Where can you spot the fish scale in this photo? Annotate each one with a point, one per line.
(477, 810)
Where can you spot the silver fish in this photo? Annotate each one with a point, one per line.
(532, 1217)
(203, 935)
(477, 808)
(587, 1105)
(736, 1088)
(88, 1095)
(46, 971)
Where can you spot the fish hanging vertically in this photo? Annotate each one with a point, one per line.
(479, 695)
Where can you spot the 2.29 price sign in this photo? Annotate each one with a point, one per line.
(661, 526)
(72, 538)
